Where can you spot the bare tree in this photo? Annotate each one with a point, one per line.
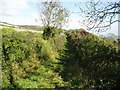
(98, 15)
(53, 14)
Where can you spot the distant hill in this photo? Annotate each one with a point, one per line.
(32, 27)
(118, 36)
(5, 24)
(25, 27)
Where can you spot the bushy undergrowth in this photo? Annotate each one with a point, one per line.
(90, 62)
(77, 60)
(28, 61)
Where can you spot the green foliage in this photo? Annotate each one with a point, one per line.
(28, 61)
(111, 38)
(89, 62)
(58, 42)
(85, 61)
(39, 75)
(50, 32)
(56, 38)
(5, 75)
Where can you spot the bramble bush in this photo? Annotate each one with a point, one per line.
(28, 61)
(89, 62)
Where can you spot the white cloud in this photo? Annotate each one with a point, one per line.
(12, 11)
(12, 7)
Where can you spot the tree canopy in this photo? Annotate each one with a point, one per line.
(52, 13)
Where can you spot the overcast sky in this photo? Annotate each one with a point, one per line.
(26, 12)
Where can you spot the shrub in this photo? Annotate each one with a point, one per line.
(89, 62)
(28, 61)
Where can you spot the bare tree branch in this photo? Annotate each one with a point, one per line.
(99, 16)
